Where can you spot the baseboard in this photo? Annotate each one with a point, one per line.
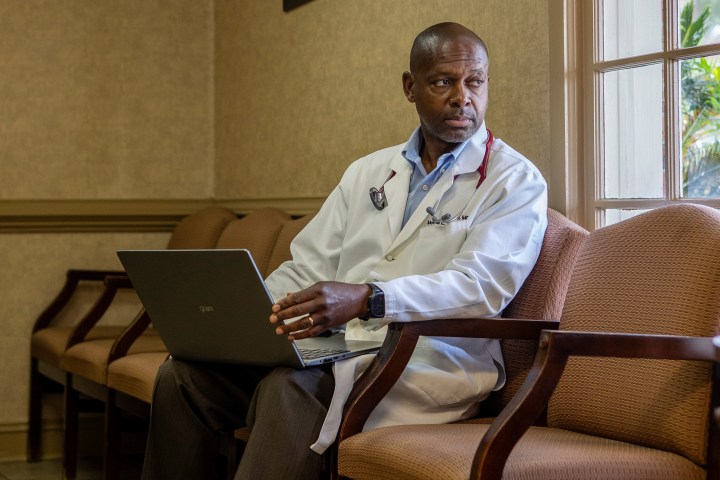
(13, 439)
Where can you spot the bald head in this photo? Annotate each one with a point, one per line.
(428, 42)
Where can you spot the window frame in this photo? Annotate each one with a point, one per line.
(576, 76)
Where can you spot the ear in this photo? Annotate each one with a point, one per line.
(408, 82)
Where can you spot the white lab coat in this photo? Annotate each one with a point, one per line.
(470, 267)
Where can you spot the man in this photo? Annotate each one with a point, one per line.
(452, 229)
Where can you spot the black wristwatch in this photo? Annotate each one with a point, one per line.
(376, 303)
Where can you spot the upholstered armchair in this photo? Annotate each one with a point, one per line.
(629, 381)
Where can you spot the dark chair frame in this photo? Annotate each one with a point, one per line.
(39, 370)
(555, 350)
(77, 384)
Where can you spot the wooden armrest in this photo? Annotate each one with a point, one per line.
(716, 342)
(112, 284)
(118, 281)
(399, 345)
(93, 275)
(73, 278)
(128, 336)
(554, 350)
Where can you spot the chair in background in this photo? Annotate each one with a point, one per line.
(130, 377)
(50, 343)
(629, 381)
(232, 442)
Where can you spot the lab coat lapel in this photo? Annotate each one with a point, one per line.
(396, 191)
(420, 216)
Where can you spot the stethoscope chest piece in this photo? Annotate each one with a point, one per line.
(377, 195)
(378, 198)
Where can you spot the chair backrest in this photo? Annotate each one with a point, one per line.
(541, 297)
(201, 229)
(656, 273)
(281, 251)
(257, 231)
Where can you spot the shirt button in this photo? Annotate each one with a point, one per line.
(389, 258)
(425, 187)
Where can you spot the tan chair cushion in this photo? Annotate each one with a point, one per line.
(256, 232)
(543, 294)
(135, 374)
(89, 359)
(201, 229)
(48, 344)
(281, 251)
(447, 451)
(662, 279)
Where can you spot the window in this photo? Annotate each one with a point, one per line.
(652, 129)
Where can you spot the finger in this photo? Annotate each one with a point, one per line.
(297, 310)
(308, 333)
(300, 324)
(315, 329)
(276, 306)
(294, 298)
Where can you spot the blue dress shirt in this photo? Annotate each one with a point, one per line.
(421, 181)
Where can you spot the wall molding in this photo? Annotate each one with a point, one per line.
(56, 216)
(13, 440)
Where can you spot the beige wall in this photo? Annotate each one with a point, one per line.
(106, 99)
(99, 99)
(301, 95)
(233, 99)
(150, 104)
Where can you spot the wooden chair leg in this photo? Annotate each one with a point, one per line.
(34, 439)
(70, 431)
(229, 449)
(331, 472)
(112, 437)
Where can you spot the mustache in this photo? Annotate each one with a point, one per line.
(460, 115)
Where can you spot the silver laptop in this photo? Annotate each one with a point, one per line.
(213, 306)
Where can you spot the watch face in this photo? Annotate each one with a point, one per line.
(377, 303)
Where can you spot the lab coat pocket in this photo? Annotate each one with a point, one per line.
(437, 243)
(448, 230)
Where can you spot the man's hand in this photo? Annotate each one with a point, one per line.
(322, 306)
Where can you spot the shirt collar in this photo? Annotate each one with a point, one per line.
(411, 151)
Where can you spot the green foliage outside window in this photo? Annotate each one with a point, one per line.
(700, 110)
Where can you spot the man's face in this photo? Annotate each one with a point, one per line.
(450, 91)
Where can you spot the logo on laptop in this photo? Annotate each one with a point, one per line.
(206, 308)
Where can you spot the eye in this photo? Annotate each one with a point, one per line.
(443, 82)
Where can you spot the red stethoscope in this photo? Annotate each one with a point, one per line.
(379, 200)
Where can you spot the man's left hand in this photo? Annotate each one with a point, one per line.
(320, 307)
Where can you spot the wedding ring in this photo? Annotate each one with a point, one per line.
(312, 322)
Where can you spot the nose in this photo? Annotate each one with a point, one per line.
(460, 95)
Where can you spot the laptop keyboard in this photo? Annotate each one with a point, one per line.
(313, 353)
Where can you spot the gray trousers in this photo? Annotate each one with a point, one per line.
(194, 402)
